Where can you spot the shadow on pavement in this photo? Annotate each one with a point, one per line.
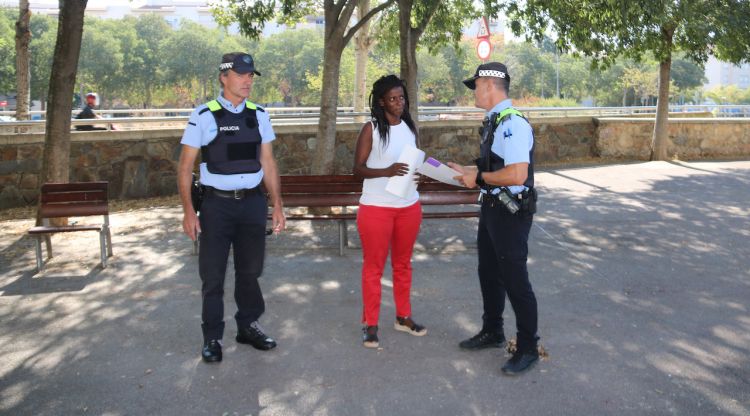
(641, 272)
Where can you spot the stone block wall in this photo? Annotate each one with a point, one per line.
(143, 163)
(688, 138)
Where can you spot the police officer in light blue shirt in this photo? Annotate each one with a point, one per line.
(234, 138)
(504, 174)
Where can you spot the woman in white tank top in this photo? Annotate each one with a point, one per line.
(386, 222)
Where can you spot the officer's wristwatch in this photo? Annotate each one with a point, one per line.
(479, 179)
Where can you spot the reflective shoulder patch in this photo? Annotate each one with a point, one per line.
(213, 105)
(251, 105)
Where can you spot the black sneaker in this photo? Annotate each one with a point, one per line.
(482, 340)
(254, 336)
(409, 326)
(370, 336)
(212, 351)
(520, 362)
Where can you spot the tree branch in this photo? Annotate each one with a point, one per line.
(364, 20)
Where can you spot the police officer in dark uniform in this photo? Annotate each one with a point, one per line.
(504, 174)
(234, 138)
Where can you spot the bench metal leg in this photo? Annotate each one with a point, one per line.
(109, 243)
(109, 236)
(343, 238)
(103, 247)
(48, 243)
(39, 260)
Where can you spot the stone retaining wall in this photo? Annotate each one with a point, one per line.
(689, 138)
(143, 163)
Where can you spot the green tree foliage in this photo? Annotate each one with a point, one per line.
(152, 31)
(181, 68)
(191, 57)
(729, 94)
(43, 35)
(101, 59)
(7, 50)
(606, 30)
(291, 58)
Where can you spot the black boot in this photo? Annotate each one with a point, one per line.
(254, 336)
(520, 362)
(211, 351)
(482, 340)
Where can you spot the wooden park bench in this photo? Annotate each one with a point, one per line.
(342, 191)
(78, 199)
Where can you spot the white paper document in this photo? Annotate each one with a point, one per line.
(440, 172)
(404, 186)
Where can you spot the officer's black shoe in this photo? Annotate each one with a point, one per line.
(254, 336)
(520, 362)
(212, 351)
(484, 339)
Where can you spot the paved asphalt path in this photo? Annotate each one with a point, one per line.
(641, 270)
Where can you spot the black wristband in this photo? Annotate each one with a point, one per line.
(479, 179)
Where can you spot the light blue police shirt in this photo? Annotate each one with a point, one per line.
(513, 140)
(201, 130)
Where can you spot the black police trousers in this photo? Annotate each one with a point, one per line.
(502, 242)
(241, 224)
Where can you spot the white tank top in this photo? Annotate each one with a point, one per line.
(373, 189)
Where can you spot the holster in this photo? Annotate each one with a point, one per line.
(523, 203)
(196, 193)
(528, 201)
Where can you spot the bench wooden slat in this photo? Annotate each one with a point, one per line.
(353, 216)
(301, 188)
(460, 214)
(73, 210)
(321, 179)
(64, 229)
(321, 200)
(447, 198)
(74, 186)
(74, 196)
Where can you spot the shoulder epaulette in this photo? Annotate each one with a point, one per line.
(252, 106)
(505, 115)
(213, 105)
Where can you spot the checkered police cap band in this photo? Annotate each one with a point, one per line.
(226, 66)
(491, 73)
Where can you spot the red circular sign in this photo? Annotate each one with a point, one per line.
(3, 103)
(484, 49)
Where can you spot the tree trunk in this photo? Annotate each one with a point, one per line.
(660, 140)
(325, 149)
(408, 52)
(23, 72)
(362, 43)
(56, 159)
(337, 17)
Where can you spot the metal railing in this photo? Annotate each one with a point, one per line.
(170, 118)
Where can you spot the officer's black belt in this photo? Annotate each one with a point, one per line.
(236, 194)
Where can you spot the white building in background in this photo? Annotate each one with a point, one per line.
(722, 74)
(173, 11)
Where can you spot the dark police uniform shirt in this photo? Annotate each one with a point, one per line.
(201, 130)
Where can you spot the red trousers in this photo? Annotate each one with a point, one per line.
(381, 229)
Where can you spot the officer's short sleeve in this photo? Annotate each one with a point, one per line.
(193, 130)
(518, 143)
(264, 124)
